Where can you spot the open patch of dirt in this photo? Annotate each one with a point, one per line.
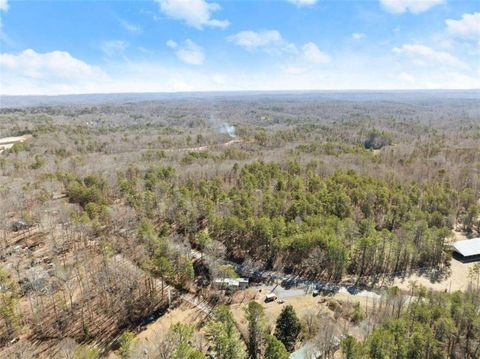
(458, 279)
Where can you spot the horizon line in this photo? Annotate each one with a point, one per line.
(241, 91)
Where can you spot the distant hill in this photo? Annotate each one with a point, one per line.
(7, 101)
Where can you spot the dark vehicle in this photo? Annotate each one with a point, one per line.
(328, 288)
(19, 226)
(257, 276)
(354, 290)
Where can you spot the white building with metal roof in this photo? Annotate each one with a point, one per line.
(238, 283)
(467, 250)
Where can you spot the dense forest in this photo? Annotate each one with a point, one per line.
(295, 219)
(434, 326)
(117, 214)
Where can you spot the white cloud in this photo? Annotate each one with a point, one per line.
(406, 77)
(468, 26)
(3, 37)
(172, 44)
(58, 72)
(195, 13)
(30, 72)
(413, 6)
(190, 53)
(424, 55)
(307, 61)
(312, 54)
(114, 47)
(145, 51)
(271, 41)
(452, 80)
(4, 5)
(303, 2)
(252, 40)
(294, 70)
(268, 40)
(131, 28)
(358, 36)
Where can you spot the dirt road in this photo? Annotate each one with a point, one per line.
(206, 147)
(7, 142)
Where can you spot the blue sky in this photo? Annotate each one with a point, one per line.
(62, 47)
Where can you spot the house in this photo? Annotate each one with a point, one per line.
(232, 283)
(467, 250)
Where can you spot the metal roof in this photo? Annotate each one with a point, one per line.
(468, 247)
(234, 282)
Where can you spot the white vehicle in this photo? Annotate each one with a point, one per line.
(270, 297)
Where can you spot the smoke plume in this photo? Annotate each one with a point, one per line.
(223, 127)
(228, 129)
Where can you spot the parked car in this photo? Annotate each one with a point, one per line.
(20, 225)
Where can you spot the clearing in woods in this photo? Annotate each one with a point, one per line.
(8, 142)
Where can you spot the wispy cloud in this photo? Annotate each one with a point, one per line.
(189, 52)
(424, 55)
(301, 3)
(131, 28)
(58, 72)
(358, 36)
(406, 77)
(309, 59)
(252, 40)
(413, 6)
(467, 27)
(313, 55)
(195, 13)
(294, 70)
(51, 72)
(267, 40)
(114, 47)
(4, 5)
(171, 44)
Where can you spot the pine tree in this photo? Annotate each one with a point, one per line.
(182, 335)
(350, 347)
(288, 327)
(275, 349)
(224, 335)
(256, 328)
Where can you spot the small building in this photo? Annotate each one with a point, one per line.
(232, 283)
(467, 250)
(243, 283)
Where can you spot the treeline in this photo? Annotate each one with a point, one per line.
(292, 218)
(437, 325)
